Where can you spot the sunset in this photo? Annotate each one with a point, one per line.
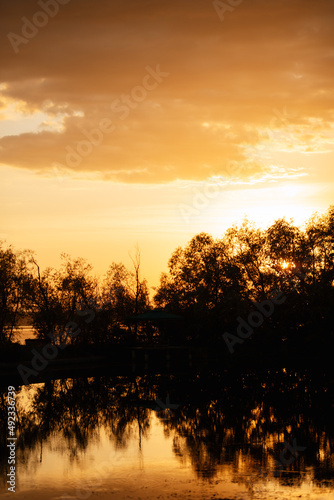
(167, 167)
(144, 124)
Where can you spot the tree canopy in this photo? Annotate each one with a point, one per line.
(213, 283)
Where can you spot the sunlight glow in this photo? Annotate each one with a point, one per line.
(286, 265)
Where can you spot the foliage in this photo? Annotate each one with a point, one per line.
(14, 289)
(58, 297)
(123, 295)
(210, 282)
(213, 282)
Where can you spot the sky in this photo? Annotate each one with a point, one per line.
(145, 123)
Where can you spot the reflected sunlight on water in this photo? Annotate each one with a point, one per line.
(21, 333)
(87, 438)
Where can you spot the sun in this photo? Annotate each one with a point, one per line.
(286, 264)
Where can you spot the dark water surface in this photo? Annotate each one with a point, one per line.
(251, 435)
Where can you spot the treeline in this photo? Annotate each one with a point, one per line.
(222, 288)
(273, 285)
(60, 302)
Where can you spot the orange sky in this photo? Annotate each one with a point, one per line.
(147, 122)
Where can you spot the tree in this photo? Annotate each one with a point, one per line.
(14, 289)
(123, 295)
(320, 241)
(45, 304)
(203, 284)
(288, 253)
(61, 300)
(248, 245)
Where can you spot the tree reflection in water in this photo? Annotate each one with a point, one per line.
(223, 419)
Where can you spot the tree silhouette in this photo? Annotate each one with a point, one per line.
(210, 283)
(14, 289)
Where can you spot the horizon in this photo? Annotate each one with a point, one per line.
(161, 122)
(99, 271)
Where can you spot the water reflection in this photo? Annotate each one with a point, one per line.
(259, 431)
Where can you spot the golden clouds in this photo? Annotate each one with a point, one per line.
(86, 70)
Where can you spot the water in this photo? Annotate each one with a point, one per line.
(21, 333)
(222, 437)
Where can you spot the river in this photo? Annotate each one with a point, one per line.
(241, 435)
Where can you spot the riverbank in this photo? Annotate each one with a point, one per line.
(26, 364)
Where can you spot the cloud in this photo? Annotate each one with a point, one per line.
(236, 76)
